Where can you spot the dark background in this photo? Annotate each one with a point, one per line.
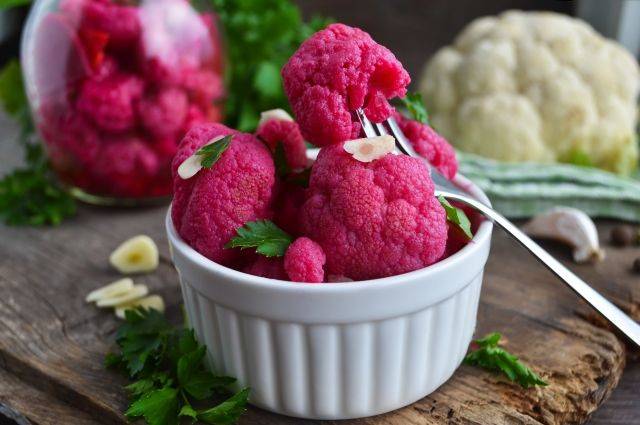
(412, 29)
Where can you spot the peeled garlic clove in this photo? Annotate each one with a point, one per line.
(193, 164)
(153, 301)
(571, 226)
(111, 290)
(136, 255)
(274, 114)
(135, 293)
(371, 148)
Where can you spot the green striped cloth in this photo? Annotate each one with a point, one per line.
(526, 189)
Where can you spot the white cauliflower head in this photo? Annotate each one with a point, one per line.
(536, 86)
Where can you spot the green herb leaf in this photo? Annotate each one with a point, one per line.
(158, 407)
(579, 158)
(7, 4)
(280, 161)
(268, 239)
(271, 30)
(168, 365)
(28, 196)
(457, 217)
(188, 412)
(228, 411)
(210, 154)
(414, 104)
(491, 357)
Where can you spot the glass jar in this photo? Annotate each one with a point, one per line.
(114, 86)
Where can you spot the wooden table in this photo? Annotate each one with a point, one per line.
(52, 343)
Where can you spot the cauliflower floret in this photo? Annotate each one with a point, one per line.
(336, 71)
(287, 133)
(373, 219)
(536, 86)
(303, 261)
(208, 207)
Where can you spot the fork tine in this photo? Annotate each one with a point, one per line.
(366, 124)
(401, 141)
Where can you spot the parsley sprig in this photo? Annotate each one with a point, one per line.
(29, 195)
(457, 217)
(268, 239)
(260, 35)
(211, 153)
(415, 106)
(491, 357)
(167, 366)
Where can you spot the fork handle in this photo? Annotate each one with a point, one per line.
(608, 310)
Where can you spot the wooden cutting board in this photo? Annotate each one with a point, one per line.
(52, 343)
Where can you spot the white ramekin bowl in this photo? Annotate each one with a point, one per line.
(335, 351)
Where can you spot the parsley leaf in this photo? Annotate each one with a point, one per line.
(211, 153)
(414, 104)
(168, 365)
(28, 196)
(158, 407)
(457, 217)
(271, 30)
(491, 357)
(228, 411)
(268, 239)
(7, 4)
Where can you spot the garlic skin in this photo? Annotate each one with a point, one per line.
(571, 226)
(274, 114)
(136, 255)
(370, 148)
(193, 164)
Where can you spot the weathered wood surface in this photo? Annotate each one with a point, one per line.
(52, 343)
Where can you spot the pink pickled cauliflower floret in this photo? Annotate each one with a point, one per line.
(127, 166)
(373, 219)
(430, 145)
(304, 260)
(110, 102)
(336, 71)
(163, 114)
(276, 131)
(209, 207)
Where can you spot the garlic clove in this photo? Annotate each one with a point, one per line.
(136, 255)
(371, 148)
(274, 114)
(111, 290)
(153, 301)
(193, 164)
(570, 226)
(135, 293)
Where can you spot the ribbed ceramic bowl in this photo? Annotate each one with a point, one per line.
(335, 351)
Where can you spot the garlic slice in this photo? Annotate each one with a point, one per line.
(274, 114)
(114, 289)
(153, 301)
(136, 255)
(371, 148)
(193, 164)
(571, 226)
(135, 293)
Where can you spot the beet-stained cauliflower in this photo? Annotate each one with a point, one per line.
(303, 261)
(336, 71)
(287, 133)
(429, 144)
(373, 219)
(208, 207)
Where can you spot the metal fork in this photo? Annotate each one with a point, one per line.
(450, 191)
